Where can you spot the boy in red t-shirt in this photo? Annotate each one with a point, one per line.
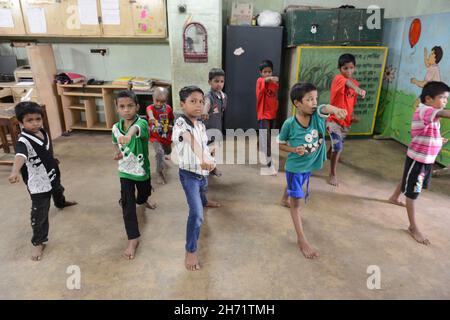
(343, 94)
(266, 109)
(160, 119)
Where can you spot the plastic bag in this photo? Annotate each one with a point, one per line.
(269, 18)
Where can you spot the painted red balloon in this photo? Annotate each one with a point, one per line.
(414, 32)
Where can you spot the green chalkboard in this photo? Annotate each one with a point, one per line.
(319, 65)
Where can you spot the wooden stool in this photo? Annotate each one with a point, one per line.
(10, 125)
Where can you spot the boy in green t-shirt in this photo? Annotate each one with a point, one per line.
(130, 138)
(303, 137)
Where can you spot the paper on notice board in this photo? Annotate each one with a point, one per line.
(87, 11)
(110, 4)
(110, 12)
(6, 18)
(36, 20)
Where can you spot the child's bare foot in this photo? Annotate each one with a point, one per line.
(191, 261)
(397, 202)
(150, 205)
(70, 203)
(212, 204)
(285, 203)
(333, 180)
(130, 251)
(308, 251)
(161, 178)
(418, 236)
(36, 254)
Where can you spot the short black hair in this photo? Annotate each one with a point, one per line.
(127, 94)
(265, 64)
(438, 53)
(27, 107)
(432, 89)
(185, 92)
(215, 72)
(346, 58)
(299, 90)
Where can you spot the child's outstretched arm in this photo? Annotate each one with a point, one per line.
(338, 112)
(19, 161)
(127, 138)
(443, 114)
(357, 89)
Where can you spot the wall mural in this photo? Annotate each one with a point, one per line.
(419, 52)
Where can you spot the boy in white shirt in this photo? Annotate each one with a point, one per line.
(195, 163)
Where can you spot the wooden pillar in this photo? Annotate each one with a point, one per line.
(43, 66)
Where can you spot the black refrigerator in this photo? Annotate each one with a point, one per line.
(246, 47)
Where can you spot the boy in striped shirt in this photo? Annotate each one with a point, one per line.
(425, 145)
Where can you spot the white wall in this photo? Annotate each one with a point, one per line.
(394, 8)
(145, 60)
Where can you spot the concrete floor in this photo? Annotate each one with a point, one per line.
(248, 247)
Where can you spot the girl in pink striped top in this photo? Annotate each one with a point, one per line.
(426, 143)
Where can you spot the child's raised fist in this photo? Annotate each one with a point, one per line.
(340, 113)
(362, 93)
(13, 178)
(300, 150)
(124, 139)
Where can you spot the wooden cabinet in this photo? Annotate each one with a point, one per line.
(85, 18)
(125, 28)
(89, 107)
(43, 17)
(11, 21)
(74, 25)
(149, 18)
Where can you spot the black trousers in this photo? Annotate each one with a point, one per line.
(129, 200)
(40, 205)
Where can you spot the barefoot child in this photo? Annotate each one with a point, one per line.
(195, 163)
(343, 94)
(40, 172)
(215, 105)
(303, 137)
(266, 109)
(425, 145)
(160, 119)
(130, 139)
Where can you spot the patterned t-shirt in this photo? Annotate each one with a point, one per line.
(40, 172)
(135, 164)
(312, 138)
(426, 142)
(187, 159)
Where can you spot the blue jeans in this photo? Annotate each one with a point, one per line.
(195, 187)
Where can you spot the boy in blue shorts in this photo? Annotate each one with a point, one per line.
(303, 137)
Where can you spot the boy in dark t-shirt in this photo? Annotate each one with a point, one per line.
(40, 172)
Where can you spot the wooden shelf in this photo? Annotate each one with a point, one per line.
(82, 94)
(106, 85)
(100, 126)
(79, 125)
(78, 107)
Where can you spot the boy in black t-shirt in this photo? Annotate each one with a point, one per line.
(40, 171)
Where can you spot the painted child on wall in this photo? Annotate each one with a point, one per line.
(432, 66)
